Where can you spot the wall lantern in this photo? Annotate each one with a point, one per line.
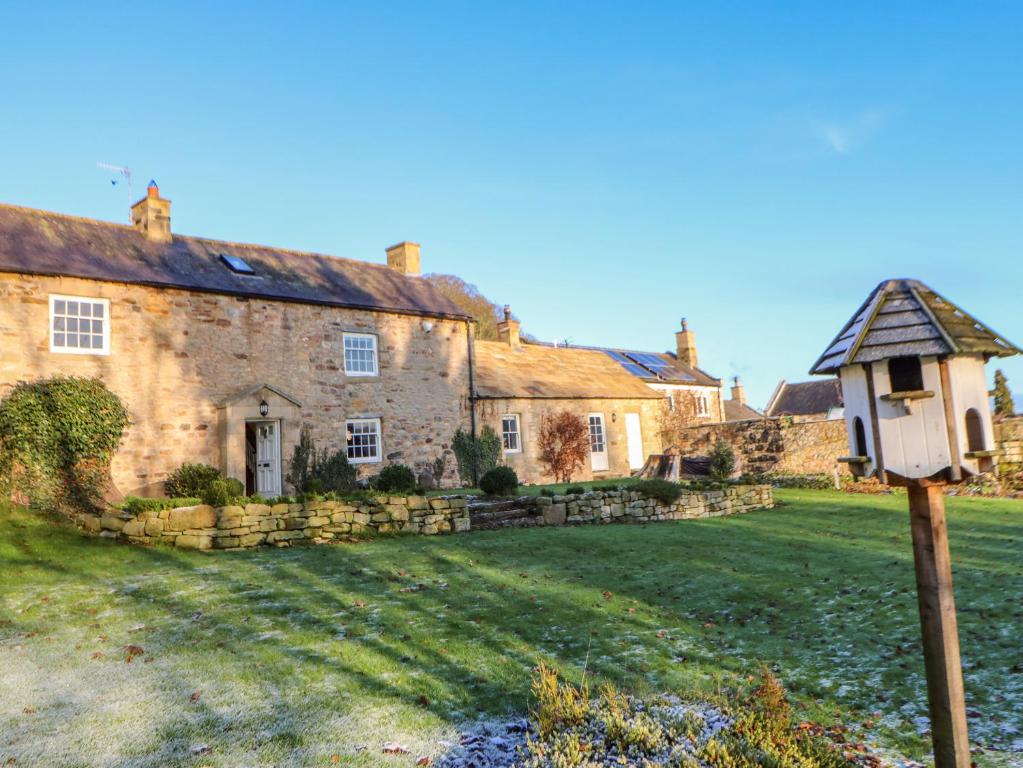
(264, 408)
(614, 417)
(917, 415)
(427, 326)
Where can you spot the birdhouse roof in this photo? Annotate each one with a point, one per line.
(904, 318)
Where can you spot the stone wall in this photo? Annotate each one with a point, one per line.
(205, 527)
(176, 357)
(777, 445)
(530, 411)
(1009, 437)
(610, 506)
(319, 522)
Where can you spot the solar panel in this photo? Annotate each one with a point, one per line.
(629, 365)
(237, 264)
(660, 367)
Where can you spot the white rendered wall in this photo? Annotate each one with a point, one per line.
(914, 445)
(857, 403)
(969, 390)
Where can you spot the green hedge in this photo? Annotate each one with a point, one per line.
(57, 437)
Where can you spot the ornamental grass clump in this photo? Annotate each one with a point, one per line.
(57, 438)
(569, 729)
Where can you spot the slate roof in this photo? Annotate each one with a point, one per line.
(904, 318)
(44, 243)
(805, 398)
(542, 371)
(736, 411)
(652, 367)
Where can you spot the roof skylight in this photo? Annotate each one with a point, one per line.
(237, 264)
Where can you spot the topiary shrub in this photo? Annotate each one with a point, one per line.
(396, 478)
(500, 481)
(476, 458)
(57, 437)
(722, 461)
(223, 492)
(663, 491)
(190, 480)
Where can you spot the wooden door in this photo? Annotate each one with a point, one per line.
(268, 459)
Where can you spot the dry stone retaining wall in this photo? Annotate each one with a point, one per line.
(318, 522)
(205, 527)
(600, 506)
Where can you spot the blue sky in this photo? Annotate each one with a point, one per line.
(604, 168)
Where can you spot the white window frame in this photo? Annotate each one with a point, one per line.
(378, 430)
(517, 433)
(601, 464)
(702, 404)
(375, 349)
(65, 350)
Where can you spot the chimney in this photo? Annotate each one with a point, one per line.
(404, 257)
(685, 344)
(508, 329)
(151, 215)
(738, 392)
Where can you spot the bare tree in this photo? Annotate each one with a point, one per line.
(564, 444)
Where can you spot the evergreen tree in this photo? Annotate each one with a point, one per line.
(1003, 396)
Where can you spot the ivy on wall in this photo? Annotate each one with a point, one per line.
(57, 437)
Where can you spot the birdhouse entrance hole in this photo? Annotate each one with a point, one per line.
(906, 374)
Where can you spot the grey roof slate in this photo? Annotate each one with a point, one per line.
(805, 398)
(45, 243)
(903, 318)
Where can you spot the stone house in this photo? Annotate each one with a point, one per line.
(628, 398)
(223, 351)
(819, 400)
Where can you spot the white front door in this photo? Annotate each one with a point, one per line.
(268, 458)
(598, 443)
(634, 436)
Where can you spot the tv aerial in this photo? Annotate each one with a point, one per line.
(125, 174)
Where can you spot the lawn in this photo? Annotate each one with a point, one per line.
(288, 657)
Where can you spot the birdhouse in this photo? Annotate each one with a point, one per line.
(911, 365)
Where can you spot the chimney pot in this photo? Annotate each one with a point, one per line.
(738, 391)
(685, 345)
(151, 215)
(508, 330)
(404, 257)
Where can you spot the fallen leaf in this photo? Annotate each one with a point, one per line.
(360, 603)
(424, 760)
(608, 594)
(29, 711)
(423, 700)
(97, 655)
(335, 758)
(194, 696)
(391, 748)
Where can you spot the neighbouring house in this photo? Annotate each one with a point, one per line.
(223, 351)
(626, 397)
(808, 400)
(736, 408)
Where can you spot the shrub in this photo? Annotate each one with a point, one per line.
(303, 460)
(476, 458)
(135, 505)
(333, 472)
(663, 491)
(57, 437)
(564, 444)
(191, 480)
(223, 492)
(396, 478)
(575, 489)
(722, 460)
(500, 481)
(547, 492)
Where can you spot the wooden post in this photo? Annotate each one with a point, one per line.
(938, 626)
